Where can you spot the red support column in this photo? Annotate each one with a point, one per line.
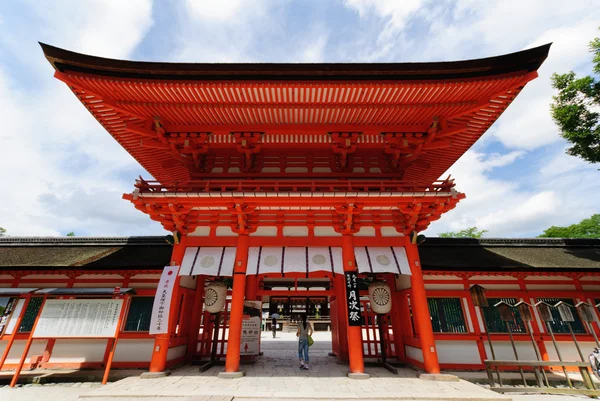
(355, 346)
(396, 313)
(232, 360)
(252, 287)
(196, 317)
(161, 342)
(421, 311)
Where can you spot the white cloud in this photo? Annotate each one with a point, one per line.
(564, 191)
(527, 124)
(61, 171)
(52, 147)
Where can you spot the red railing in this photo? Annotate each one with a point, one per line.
(293, 186)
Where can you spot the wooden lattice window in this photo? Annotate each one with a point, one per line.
(140, 312)
(494, 321)
(33, 308)
(558, 326)
(446, 315)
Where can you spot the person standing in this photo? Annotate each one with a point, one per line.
(304, 330)
(274, 326)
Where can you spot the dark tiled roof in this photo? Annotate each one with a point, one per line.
(436, 253)
(508, 253)
(91, 252)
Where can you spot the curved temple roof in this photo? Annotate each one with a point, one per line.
(408, 121)
(526, 60)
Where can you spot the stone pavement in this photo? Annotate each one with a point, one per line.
(277, 375)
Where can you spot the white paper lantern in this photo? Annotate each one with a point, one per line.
(380, 297)
(215, 296)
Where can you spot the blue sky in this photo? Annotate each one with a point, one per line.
(62, 172)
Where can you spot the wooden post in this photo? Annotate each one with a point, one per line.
(158, 362)
(421, 311)
(355, 346)
(15, 378)
(397, 320)
(16, 330)
(232, 360)
(113, 348)
(195, 319)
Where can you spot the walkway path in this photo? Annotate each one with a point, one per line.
(277, 375)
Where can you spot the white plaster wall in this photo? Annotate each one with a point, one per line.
(449, 277)
(458, 352)
(568, 351)
(556, 287)
(176, 352)
(46, 276)
(548, 278)
(78, 351)
(265, 231)
(488, 286)
(365, 232)
(225, 231)
(42, 285)
(142, 285)
(37, 348)
(100, 276)
(201, 231)
(98, 284)
(414, 353)
(449, 286)
(326, 232)
(134, 350)
(146, 276)
(295, 231)
(390, 232)
(504, 351)
(503, 278)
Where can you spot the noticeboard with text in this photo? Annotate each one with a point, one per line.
(250, 342)
(353, 299)
(79, 318)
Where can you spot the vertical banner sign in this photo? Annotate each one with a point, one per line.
(159, 322)
(354, 318)
(251, 328)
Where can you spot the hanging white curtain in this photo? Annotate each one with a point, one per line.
(289, 259)
(388, 259)
(208, 261)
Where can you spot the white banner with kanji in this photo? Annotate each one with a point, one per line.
(159, 322)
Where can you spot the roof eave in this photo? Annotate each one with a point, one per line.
(525, 60)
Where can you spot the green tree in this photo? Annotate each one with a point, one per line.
(586, 228)
(2, 231)
(71, 234)
(575, 109)
(471, 232)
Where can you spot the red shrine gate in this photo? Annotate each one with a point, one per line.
(260, 168)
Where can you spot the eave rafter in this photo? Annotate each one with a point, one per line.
(361, 112)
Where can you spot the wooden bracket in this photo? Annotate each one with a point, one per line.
(343, 144)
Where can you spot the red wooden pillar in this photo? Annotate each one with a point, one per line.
(252, 287)
(161, 342)
(421, 311)
(355, 346)
(232, 360)
(397, 319)
(196, 317)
